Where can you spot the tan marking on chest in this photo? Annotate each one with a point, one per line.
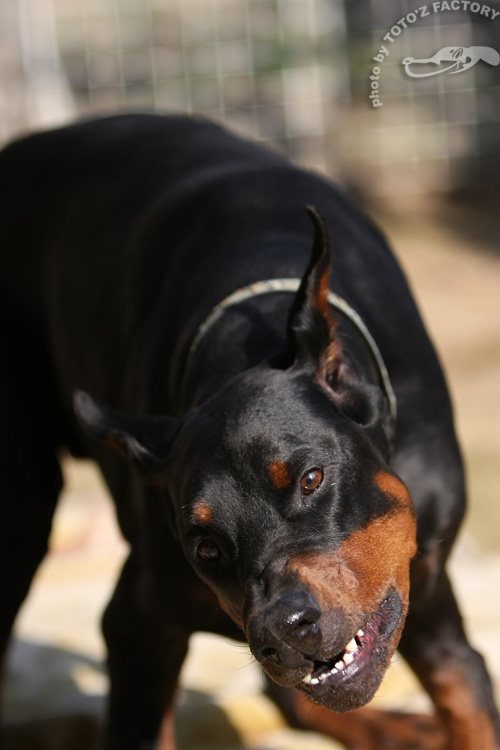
(468, 724)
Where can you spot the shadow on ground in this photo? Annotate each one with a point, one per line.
(53, 701)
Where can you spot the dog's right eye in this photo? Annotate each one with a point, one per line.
(208, 550)
(311, 481)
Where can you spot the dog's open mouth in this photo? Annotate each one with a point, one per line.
(361, 650)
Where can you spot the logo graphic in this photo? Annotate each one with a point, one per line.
(451, 60)
(455, 59)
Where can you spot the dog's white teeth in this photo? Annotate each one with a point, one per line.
(328, 674)
(348, 657)
(360, 633)
(325, 675)
(310, 680)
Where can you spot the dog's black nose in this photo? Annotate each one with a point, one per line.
(291, 632)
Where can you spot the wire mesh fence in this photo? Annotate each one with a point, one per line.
(438, 127)
(295, 73)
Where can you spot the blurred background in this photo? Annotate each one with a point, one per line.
(322, 80)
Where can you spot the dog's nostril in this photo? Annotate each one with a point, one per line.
(306, 627)
(288, 633)
(303, 612)
(270, 653)
(294, 620)
(304, 621)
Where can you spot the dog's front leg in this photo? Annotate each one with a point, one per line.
(145, 657)
(363, 729)
(436, 647)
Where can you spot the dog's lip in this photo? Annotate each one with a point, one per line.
(360, 652)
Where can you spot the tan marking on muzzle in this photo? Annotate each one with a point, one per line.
(358, 574)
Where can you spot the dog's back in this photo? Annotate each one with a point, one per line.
(109, 218)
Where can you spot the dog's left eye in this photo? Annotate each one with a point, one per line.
(311, 481)
(208, 550)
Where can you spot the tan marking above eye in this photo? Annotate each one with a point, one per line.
(280, 474)
(201, 515)
(310, 481)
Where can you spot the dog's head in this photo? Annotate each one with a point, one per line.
(285, 507)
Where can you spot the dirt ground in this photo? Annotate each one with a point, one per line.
(56, 680)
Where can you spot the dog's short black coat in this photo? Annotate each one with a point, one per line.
(259, 478)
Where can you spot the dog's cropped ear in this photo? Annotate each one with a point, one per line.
(143, 440)
(311, 329)
(314, 347)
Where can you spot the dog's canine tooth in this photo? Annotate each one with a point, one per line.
(307, 680)
(352, 646)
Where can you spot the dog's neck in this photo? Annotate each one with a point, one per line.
(249, 328)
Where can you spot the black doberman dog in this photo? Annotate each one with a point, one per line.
(273, 425)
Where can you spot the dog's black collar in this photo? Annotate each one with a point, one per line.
(292, 285)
